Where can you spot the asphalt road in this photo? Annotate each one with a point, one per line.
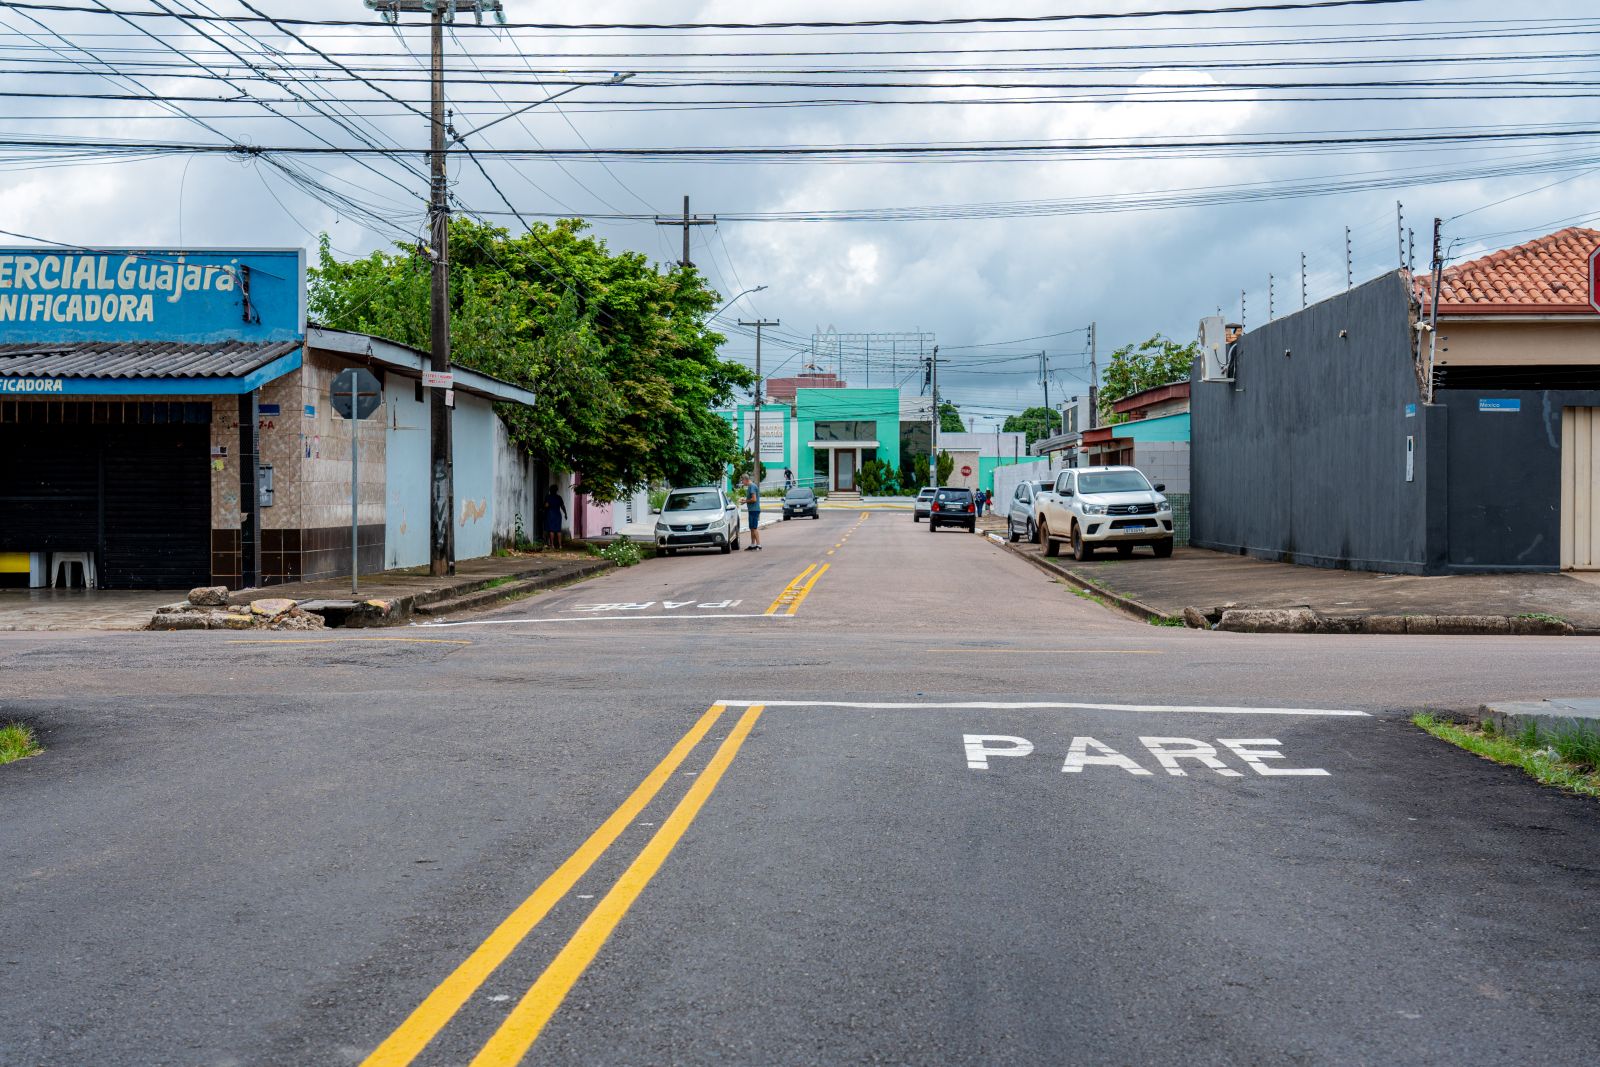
(917, 807)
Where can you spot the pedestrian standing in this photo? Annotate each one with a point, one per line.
(788, 479)
(752, 504)
(555, 514)
(977, 498)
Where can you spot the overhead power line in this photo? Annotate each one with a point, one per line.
(992, 20)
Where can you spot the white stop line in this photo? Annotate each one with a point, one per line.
(1048, 705)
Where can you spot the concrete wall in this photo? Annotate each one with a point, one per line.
(1503, 504)
(1007, 478)
(473, 443)
(880, 406)
(406, 436)
(516, 493)
(1518, 343)
(1303, 457)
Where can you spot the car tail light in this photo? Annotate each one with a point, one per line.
(935, 507)
(972, 507)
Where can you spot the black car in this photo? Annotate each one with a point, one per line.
(800, 501)
(953, 507)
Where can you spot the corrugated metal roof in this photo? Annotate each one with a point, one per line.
(140, 359)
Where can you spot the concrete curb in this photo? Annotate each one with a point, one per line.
(482, 598)
(1127, 605)
(1548, 718)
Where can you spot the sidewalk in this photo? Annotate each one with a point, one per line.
(1210, 581)
(389, 598)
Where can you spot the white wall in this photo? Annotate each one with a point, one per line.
(407, 476)
(515, 492)
(1164, 461)
(1008, 477)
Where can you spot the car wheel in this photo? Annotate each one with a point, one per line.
(1125, 551)
(915, 517)
(1080, 550)
(1011, 530)
(785, 516)
(669, 552)
(1163, 549)
(932, 526)
(1052, 547)
(726, 548)
(734, 544)
(1033, 534)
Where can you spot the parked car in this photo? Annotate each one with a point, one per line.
(952, 506)
(1021, 521)
(701, 516)
(919, 510)
(1093, 506)
(800, 501)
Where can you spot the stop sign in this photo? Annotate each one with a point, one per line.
(966, 472)
(1594, 279)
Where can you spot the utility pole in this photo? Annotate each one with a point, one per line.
(933, 457)
(1302, 281)
(755, 443)
(1044, 379)
(1272, 298)
(1094, 377)
(1349, 270)
(441, 536)
(686, 222)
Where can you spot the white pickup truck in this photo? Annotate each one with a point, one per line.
(1092, 506)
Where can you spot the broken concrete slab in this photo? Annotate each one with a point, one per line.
(209, 596)
(1269, 621)
(271, 607)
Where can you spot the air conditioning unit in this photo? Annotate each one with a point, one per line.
(1216, 358)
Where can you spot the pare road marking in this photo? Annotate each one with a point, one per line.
(1168, 753)
(682, 616)
(666, 605)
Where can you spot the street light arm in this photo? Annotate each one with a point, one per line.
(615, 79)
(729, 304)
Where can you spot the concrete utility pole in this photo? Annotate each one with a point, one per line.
(1302, 281)
(686, 222)
(1433, 310)
(441, 538)
(933, 455)
(1044, 379)
(1094, 378)
(1349, 267)
(755, 443)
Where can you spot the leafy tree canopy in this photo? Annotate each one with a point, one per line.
(1135, 368)
(1036, 423)
(950, 418)
(626, 372)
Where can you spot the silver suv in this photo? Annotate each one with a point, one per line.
(698, 517)
(1093, 506)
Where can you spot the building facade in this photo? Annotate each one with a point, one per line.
(1321, 445)
(166, 422)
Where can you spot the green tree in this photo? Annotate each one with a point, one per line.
(950, 418)
(947, 464)
(1036, 423)
(1135, 368)
(626, 372)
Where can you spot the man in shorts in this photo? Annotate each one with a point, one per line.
(752, 503)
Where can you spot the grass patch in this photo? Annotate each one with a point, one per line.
(1086, 595)
(1568, 760)
(17, 742)
(1168, 620)
(496, 583)
(1541, 616)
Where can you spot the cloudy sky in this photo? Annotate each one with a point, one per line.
(1125, 172)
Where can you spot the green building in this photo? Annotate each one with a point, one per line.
(827, 434)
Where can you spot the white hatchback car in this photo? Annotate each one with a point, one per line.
(703, 516)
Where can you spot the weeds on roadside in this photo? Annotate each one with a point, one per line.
(1567, 759)
(17, 742)
(622, 553)
(1167, 620)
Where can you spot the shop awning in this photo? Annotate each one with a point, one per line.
(138, 368)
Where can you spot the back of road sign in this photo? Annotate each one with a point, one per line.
(368, 394)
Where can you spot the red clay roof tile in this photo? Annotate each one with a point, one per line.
(1549, 274)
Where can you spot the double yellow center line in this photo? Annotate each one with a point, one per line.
(795, 593)
(517, 1033)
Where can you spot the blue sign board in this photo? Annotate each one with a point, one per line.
(174, 295)
(1499, 403)
(1411, 411)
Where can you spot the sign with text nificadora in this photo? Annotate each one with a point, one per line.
(438, 379)
(1594, 279)
(173, 295)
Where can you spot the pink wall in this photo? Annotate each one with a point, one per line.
(588, 518)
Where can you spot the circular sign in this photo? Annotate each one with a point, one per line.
(966, 472)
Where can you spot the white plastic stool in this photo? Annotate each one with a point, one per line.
(84, 560)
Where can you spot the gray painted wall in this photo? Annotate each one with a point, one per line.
(1302, 458)
(1504, 477)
